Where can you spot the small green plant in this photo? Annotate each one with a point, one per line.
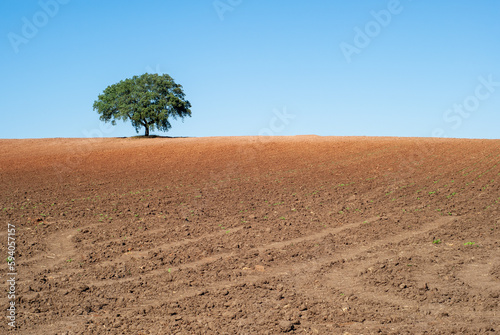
(469, 243)
(436, 241)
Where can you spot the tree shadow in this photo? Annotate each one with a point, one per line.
(152, 136)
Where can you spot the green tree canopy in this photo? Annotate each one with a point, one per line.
(147, 101)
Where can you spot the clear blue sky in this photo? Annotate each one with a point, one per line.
(424, 68)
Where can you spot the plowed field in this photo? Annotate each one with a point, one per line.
(249, 235)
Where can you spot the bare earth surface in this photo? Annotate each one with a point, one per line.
(248, 235)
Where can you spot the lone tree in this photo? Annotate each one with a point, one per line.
(148, 101)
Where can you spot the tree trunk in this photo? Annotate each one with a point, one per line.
(147, 130)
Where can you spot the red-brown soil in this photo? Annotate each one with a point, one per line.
(248, 235)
